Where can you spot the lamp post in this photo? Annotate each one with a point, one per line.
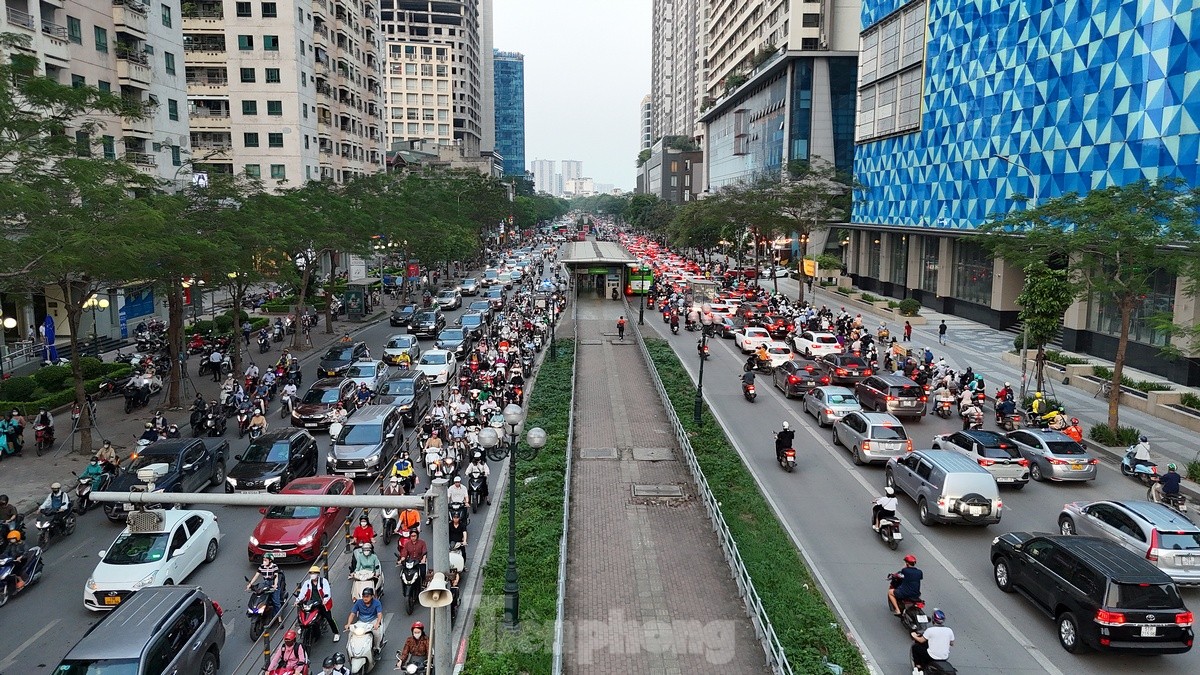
(9, 323)
(498, 448)
(642, 306)
(706, 322)
(94, 303)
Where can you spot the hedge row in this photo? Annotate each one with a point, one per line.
(64, 396)
(206, 326)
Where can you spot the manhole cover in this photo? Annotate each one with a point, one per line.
(653, 454)
(657, 491)
(598, 453)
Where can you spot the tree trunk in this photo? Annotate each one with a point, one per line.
(235, 346)
(1039, 367)
(802, 276)
(74, 307)
(172, 380)
(301, 297)
(1114, 394)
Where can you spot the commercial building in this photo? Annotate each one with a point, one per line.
(965, 104)
(510, 110)
(647, 118)
(544, 171)
(676, 70)
(672, 172)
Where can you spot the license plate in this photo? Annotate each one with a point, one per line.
(1185, 560)
(129, 507)
(1077, 467)
(977, 510)
(330, 373)
(1149, 631)
(251, 492)
(922, 619)
(311, 425)
(112, 600)
(908, 404)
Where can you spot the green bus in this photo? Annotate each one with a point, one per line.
(640, 277)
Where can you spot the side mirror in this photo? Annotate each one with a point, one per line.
(331, 510)
(189, 468)
(262, 509)
(238, 457)
(103, 553)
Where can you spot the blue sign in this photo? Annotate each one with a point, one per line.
(123, 318)
(139, 302)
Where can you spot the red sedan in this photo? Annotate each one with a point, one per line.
(299, 533)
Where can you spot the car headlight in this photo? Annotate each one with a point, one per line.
(330, 459)
(305, 541)
(92, 585)
(372, 460)
(253, 541)
(143, 582)
(405, 406)
(272, 481)
(231, 480)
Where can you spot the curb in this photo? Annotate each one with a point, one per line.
(1117, 454)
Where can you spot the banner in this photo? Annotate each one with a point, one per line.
(810, 268)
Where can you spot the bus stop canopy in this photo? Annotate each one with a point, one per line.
(578, 253)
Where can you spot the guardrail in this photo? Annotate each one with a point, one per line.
(763, 629)
(560, 604)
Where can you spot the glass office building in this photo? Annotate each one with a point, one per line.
(509, 69)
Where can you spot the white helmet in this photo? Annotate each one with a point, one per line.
(889, 491)
(787, 426)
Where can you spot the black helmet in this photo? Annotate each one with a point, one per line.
(339, 660)
(329, 662)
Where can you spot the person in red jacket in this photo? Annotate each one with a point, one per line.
(364, 532)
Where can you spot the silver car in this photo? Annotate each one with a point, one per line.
(400, 344)
(992, 451)
(829, 404)
(369, 372)
(1054, 455)
(871, 436)
(1150, 530)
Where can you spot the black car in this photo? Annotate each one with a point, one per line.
(402, 315)
(339, 357)
(472, 322)
(1099, 594)
(427, 323)
(495, 295)
(274, 460)
(409, 391)
(483, 307)
(798, 376)
(847, 369)
(187, 465)
(454, 340)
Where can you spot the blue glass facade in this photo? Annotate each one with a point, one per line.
(509, 71)
(1075, 94)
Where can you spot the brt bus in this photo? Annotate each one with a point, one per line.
(640, 277)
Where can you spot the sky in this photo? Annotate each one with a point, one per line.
(587, 67)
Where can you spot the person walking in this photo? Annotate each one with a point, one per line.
(621, 328)
(942, 332)
(907, 331)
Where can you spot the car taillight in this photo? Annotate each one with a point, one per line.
(866, 372)
(908, 443)
(866, 445)
(1057, 461)
(1023, 462)
(1093, 461)
(1183, 619)
(840, 371)
(792, 379)
(924, 399)
(220, 612)
(1108, 618)
(824, 380)
(1152, 552)
(808, 368)
(983, 461)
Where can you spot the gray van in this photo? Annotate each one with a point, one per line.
(367, 442)
(893, 394)
(947, 487)
(160, 630)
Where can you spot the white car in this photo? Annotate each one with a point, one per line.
(373, 373)
(437, 364)
(748, 338)
(162, 554)
(779, 353)
(815, 345)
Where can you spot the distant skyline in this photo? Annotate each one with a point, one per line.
(587, 67)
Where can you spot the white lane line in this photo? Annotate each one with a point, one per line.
(12, 658)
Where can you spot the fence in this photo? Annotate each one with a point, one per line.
(560, 604)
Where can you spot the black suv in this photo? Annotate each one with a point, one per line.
(427, 323)
(1099, 594)
(402, 315)
(409, 391)
(340, 356)
(274, 460)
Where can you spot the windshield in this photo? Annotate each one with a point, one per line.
(841, 398)
(452, 334)
(825, 340)
(398, 387)
(491, 274)
(338, 354)
(361, 371)
(144, 461)
(467, 282)
(98, 667)
(1179, 541)
(908, 392)
(1065, 448)
(1143, 596)
(471, 320)
(320, 396)
(400, 343)
(851, 362)
(447, 294)
(433, 359)
(431, 317)
(889, 433)
(407, 309)
(293, 512)
(360, 434)
(137, 549)
(494, 293)
(261, 452)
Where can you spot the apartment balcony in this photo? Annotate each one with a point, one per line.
(54, 31)
(129, 16)
(208, 85)
(139, 128)
(212, 11)
(205, 50)
(144, 161)
(320, 9)
(20, 19)
(133, 68)
(205, 119)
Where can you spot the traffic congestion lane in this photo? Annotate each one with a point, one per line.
(996, 632)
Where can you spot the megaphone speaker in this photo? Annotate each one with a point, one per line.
(437, 594)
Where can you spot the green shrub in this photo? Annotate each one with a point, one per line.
(844, 291)
(92, 367)
(1193, 469)
(1190, 400)
(892, 304)
(27, 404)
(1064, 359)
(910, 307)
(51, 378)
(1124, 436)
(203, 327)
(827, 284)
(867, 297)
(18, 388)
(224, 322)
(1138, 385)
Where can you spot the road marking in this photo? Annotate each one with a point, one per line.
(12, 658)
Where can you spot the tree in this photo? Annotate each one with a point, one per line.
(699, 225)
(1114, 241)
(809, 197)
(1045, 297)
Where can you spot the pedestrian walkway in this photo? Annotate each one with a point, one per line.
(648, 589)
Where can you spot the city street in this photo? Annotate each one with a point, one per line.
(47, 620)
(825, 506)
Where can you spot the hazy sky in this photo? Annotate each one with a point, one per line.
(587, 67)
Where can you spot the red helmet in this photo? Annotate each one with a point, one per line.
(416, 625)
(1074, 420)
(910, 559)
(289, 636)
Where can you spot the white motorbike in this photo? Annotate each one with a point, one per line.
(366, 578)
(361, 648)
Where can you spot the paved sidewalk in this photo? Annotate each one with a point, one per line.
(648, 590)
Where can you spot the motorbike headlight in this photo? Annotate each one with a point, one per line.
(143, 582)
(305, 541)
(253, 541)
(91, 585)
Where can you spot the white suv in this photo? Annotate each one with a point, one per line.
(815, 345)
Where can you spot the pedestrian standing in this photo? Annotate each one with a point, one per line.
(942, 332)
(621, 328)
(246, 332)
(907, 331)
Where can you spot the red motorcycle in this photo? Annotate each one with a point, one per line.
(197, 344)
(43, 438)
(308, 616)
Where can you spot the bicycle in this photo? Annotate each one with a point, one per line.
(1104, 390)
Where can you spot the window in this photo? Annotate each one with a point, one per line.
(304, 111)
(242, 9)
(110, 147)
(275, 140)
(269, 11)
(254, 170)
(249, 107)
(245, 42)
(101, 40)
(83, 144)
(173, 110)
(166, 16)
(972, 278)
(275, 108)
(176, 159)
(930, 261)
(250, 139)
(1103, 316)
(247, 74)
(272, 76)
(271, 43)
(104, 86)
(74, 30)
(278, 171)
(78, 81)
(169, 58)
(810, 20)
(889, 74)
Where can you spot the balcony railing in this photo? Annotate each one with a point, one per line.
(18, 18)
(191, 11)
(132, 5)
(209, 113)
(209, 81)
(212, 145)
(141, 158)
(133, 56)
(54, 30)
(204, 45)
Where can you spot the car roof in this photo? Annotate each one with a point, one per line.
(984, 435)
(327, 383)
(310, 485)
(124, 633)
(1110, 558)
(1159, 516)
(280, 435)
(398, 336)
(1046, 434)
(880, 418)
(952, 461)
(404, 374)
(834, 389)
(171, 518)
(434, 351)
(370, 413)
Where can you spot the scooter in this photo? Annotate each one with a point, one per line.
(389, 524)
(50, 526)
(934, 667)
(360, 648)
(475, 485)
(748, 391)
(460, 509)
(8, 579)
(264, 345)
(912, 612)
(675, 328)
(256, 431)
(243, 421)
(197, 421)
(702, 350)
(43, 438)
(944, 406)
(308, 617)
(889, 531)
(259, 608)
(410, 584)
(1009, 422)
(414, 666)
(786, 459)
(1147, 472)
(366, 578)
(215, 424)
(1177, 501)
(83, 491)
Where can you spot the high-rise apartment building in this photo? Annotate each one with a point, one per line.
(571, 170)
(286, 91)
(647, 123)
(509, 68)
(544, 172)
(677, 66)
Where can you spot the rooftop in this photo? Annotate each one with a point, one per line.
(595, 252)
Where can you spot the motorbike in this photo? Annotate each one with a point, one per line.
(415, 665)
(786, 459)
(912, 612)
(360, 648)
(975, 421)
(214, 423)
(1176, 501)
(889, 531)
(675, 328)
(366, 578)
(944, 407)
(475, 485)
(259, 608)
(748, 391)
(43, 437)
(1009, 422)
(54, 525)
(702, 350)
(935, 667)
(389, 524)
(410, 583)
(83, 490)
(285, 406)
(197, 345)
(277, 333)
(460, 509)
(32, 567)
(308, 618)
(1146, 473)
(197, 421)
(264, 345)
(255, 432)
(243, 421)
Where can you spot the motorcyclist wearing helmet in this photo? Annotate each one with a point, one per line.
(416, 645)
(783, 440)
(57, 504)
(316, 587)
(364, 533)
(1141, 452)
(289, 655)
(932, 644)
(149, 434)
(1167, 484)
(1038, 407)
(367, 609)
(365, 558)
(268, 571)
(906, 584)
(479, 468)
(884, 507)
(403, 472)
(95, 471)
(15, 548)
(1004, 392)
(1074, 430)
(1005, 407)
(107, 455)
(1055, 419)
(330, 665)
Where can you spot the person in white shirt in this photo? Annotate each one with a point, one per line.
(252, 371)
(884, 507)
(457, 493)
(318, 586)
(933, 644)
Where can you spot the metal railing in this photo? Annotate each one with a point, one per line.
(560, 604)
(763, 629)
(133, 5)
(18, 18)
(54, 30)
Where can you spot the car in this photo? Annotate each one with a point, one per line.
(894, 394)
(339, 356)
(726, 326)
(402, 315)
(179, 464)
(159, 629)
(313, 409)
(438, 365)
(300, 533)
(401, 344)
(847, 369)
(779, 353)
(813, 344)
(491, 277)
(797, 376)
(454, 340)
(427, 323)
(409, 391)
(495, 296)
(779, 327)
(1054, 455)
(507, 278)
(828, 404)
(483, 307)
(274, 460)
(158, 548)
(449, 299)
(871, 436)
(777, 272)
(947, 486)
(749, 338)
(469, 286)
(517, 273)
(992, 451)
(472, 323)
(369, 372)
(367, 443)
(1099, 595)
(1154, 532)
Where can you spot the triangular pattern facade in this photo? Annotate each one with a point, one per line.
(1078, 94)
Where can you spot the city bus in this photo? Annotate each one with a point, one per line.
(640, 277)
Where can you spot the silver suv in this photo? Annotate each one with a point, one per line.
(871, 436)
(1150, 530)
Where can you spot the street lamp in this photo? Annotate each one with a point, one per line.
(93, 303)
(9, 323)
(497, 449)
(382, 250)
(642, 306)
(706, 322)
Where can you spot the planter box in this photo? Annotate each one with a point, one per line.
(880, 309)
(1054, 372)
(1185, 417)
